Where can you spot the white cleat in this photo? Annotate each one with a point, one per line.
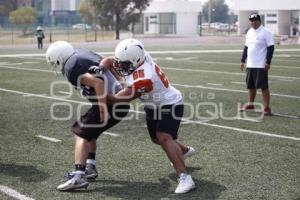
(76, 182)
(185, 184)
(191, 151)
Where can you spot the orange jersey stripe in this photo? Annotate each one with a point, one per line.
(143, 86)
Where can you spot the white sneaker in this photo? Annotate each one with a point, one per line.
(191, 151)
(185, 184)
(91, 171)
(77, 181)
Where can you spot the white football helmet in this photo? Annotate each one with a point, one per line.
(129, 55)
(57, 54)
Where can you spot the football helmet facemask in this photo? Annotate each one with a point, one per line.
(58, 53)
(129, 55)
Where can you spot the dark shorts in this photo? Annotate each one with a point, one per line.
(89, 126)
(257, 78)
(165, 119)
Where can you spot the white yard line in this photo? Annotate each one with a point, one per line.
(215, 84)
(31, 62)
(224, 72)
(196, 122)
(13, 193)
(168, 68)
(247, 131)
(232, 90)
(247, 119)
(240, 83)
(111, 134)
(153, 52)
(237, 64)
(48, 138)
(27, 69)
(285, 80)
(181, 85)
(63, 92)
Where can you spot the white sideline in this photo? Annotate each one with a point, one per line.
(48, 138)
(111, 134)
(192, 121)
(181, 85)
(13, 193)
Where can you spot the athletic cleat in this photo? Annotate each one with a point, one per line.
(267, 111)
(247, 107)
(185, 184)
(76, 182)
(91, 171)
(191, 151)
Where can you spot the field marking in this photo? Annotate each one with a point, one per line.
(30, 62)
(285, 80)
(215, 84)
(27, 69)
(111, 134)
(168, 68)
(64, 92)
(44, 96)
(246, 130)
(240, 83)
(187, 120)
(13, 193)
(232, 90)
(237, 64)
(224, 72)
(48, 138)
(181, 85)
(248, 119)
(153, 52)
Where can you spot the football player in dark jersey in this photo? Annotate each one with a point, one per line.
(82, 69)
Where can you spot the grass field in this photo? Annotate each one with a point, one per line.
(239, 156)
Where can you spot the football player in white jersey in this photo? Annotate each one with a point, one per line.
(163, 103)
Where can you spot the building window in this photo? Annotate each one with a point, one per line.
(272, 15)
(271, 22)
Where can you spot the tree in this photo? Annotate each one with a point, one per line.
(121, 13)
(219, 11)
(24, 16)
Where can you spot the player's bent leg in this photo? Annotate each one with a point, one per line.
(172, 150)
(174, 153)
(77, 178)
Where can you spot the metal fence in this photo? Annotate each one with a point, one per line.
(15, 35)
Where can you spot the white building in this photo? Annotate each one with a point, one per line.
(178, 17)
(280, 16)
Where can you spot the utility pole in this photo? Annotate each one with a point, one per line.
(209, 14)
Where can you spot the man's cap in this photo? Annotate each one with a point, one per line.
(254, 17)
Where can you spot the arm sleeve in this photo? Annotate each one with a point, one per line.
(270, 51)
(244, 55)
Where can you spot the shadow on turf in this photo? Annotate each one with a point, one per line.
(149, 190)
(27, 173)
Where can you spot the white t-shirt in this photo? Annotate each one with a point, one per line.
(153, 84)
(257, 42)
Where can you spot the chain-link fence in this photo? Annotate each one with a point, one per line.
(16, 35)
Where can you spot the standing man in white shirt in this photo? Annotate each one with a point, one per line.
(257, 56)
